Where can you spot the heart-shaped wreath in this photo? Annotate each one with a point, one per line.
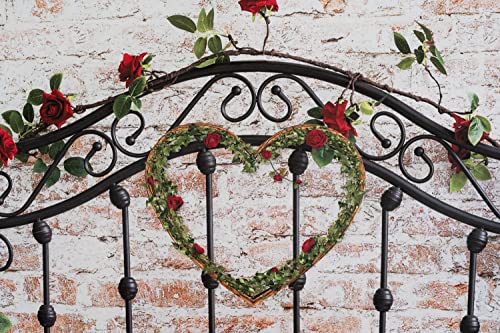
(166, 201)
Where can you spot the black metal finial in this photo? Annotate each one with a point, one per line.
(298, 284)
(477, 240)
(128, 288)
(383, 300)
(391, 199)
(42, 232)
(208, 281)
(470, 324)
(298, 162)
(206, 162)
(47, 316)
(119, 196)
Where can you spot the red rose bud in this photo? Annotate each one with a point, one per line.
(151, 181)
(8, 148)
(266, 154)
(198, 249)
(308, 244)
(174, 202)
(274, 270)
(334, 117)
(255, 6)
(316, 139)
(212, 140)
(55, 109)
(298, 181)
(277, 178)
(130, 68)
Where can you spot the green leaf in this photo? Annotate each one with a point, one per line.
(43, 149)
(75, 166)
(40, 166)
(16, 122)
(200, 47)
(458, 181)
(215, 44)
(6, 129)
(437, 54)
(55, 149)
(366, 108)
(121, 106)
(148, 59)
(28, 112)
(183, 23)
(476, 131)
(6, 115)
(420, 54)
(5, 324)
(22, 157)
(315, 113)
(406, 63)
(427, 31)
(314, 122)
(138, 86)
(202, 21)
(481, 172)
(207, 63)
(210, 19)
(420, 35)
(136, 104)
(401, 43)
(435, 61)
(55, 81)
(322, 156)
(35, 97)
(54, 177)
(486, 123)
(474, 101)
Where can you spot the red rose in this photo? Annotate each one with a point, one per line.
(151, 181)
(334, 117)
(274, 270)
(277, 178)
(461, 127)
(130, 68)
(174, 202)
(308, 244)
(198, 248)
(266, 154)
(298, 181)
(56, 109)
(255, 6)
(8, 148)
(212, 140)
(316, 139)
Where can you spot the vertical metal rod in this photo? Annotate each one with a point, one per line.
(472, 284)
(296, 251)
(46, 282)
(210, 250)
(383, 265)
(126, 266)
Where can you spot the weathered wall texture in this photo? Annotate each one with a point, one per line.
(428, 262)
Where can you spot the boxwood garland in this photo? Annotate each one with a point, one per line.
(263, 284)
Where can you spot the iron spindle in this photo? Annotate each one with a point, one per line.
(476, 242)
(127, 286)
(207, 164)
(391, 199)
(46, 314)
(297, 162)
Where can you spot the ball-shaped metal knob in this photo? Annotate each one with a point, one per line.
(42, 232)
(391, 199)
(208, 281)
(477, 240)
(470, 324)
(47, 316)
(206, 162)
(299, 283)
(127, 288)
(383, 300)
(119, 196)
(298, 162)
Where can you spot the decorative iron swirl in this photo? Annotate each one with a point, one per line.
(278, 91)
(96, 146)
(10, 255)
(131, 139)
(386, 142)
(420, 152)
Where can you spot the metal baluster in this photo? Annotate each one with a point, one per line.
(391, 199)
(297, 162)
(207, 164)
(127, 287)
(46, 314)
(476, 242)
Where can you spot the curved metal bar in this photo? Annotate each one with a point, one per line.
(131, 139)
(277, 91)
(419, 151)
(58, 159)
(386, 143)
(255, 140)
(10, 253)
(268, 67)
(5, 193)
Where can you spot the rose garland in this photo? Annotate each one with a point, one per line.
(164, 198)
(342, 115)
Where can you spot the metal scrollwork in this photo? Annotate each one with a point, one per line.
(10, 253)
(131, 139)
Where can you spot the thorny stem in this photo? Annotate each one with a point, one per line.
(268, 22)
(440, 92)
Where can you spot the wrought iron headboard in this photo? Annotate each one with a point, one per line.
(390, 200)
